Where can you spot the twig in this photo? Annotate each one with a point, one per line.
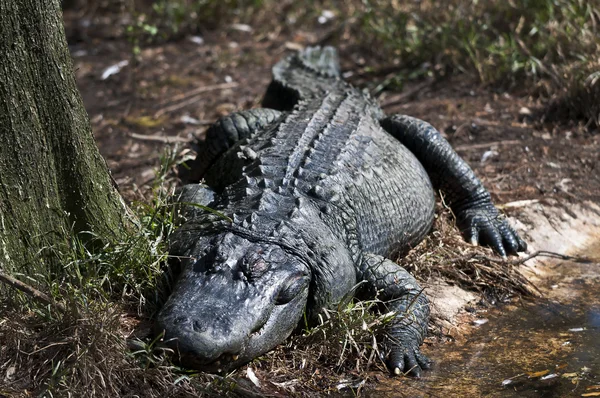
(487, 145)
(177, 106)
(30, 291)
(190, 97)
(43, 348)
(197, 90)
(518, 203)
(158, 138)
(408, 95)
(539, 253)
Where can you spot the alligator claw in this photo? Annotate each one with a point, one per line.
(485, 225)
(407, 361)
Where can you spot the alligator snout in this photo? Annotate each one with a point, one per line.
(204, 352)
(193, 338)
(232, 303)
(206, 336)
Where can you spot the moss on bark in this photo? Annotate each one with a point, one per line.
(53, 180)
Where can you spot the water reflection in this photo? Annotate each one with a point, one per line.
(546, 348)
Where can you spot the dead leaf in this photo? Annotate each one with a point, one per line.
(252, 376)
(225, 109)
(569, 375)
(10, 373)
(538, 374)
(145, 121)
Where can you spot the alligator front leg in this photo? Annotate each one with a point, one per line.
(193, 198)
(400, 293)
(477, 217)
(223, 135)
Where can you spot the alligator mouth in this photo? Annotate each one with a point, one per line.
(257, 330)
(222, 364)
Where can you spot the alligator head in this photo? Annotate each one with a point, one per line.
(234, 300)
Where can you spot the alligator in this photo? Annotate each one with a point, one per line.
(311, 197)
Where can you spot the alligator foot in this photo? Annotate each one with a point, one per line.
(401, 294)
(477, 217)
(407, 359)
(484, 224)
(224, 134)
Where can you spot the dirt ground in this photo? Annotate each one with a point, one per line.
(175, 90)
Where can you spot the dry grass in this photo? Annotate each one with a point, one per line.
(547, 48)
(342, 352)
(338, 354)
(445, 254)
(87, 356)
(579, 98)
(89, 351)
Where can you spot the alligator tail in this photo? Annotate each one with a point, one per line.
(306, 74)
(321, 61)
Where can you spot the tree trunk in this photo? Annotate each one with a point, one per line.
(53, 181)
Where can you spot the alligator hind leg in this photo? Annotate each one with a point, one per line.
(476, 215)
(400, 293)
(223, 135)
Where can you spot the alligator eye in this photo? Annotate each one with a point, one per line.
(291, 289)
(253, 266)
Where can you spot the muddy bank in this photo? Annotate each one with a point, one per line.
(547, 347)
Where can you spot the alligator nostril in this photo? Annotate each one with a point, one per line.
(179, 320)
(199, 327)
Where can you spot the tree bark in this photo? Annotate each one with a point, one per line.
(53, 180)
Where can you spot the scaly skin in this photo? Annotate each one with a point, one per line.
(321, 192)
(477, 217)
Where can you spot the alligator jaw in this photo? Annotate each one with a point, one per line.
(230, 352)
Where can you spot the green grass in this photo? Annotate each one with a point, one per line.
(103, 346)
(549, 48)
(498, 40)
(579, 98)
(96, 339)
(173, 19)
(77, 345)
(344, 343)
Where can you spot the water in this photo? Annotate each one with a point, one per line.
(545, 348)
